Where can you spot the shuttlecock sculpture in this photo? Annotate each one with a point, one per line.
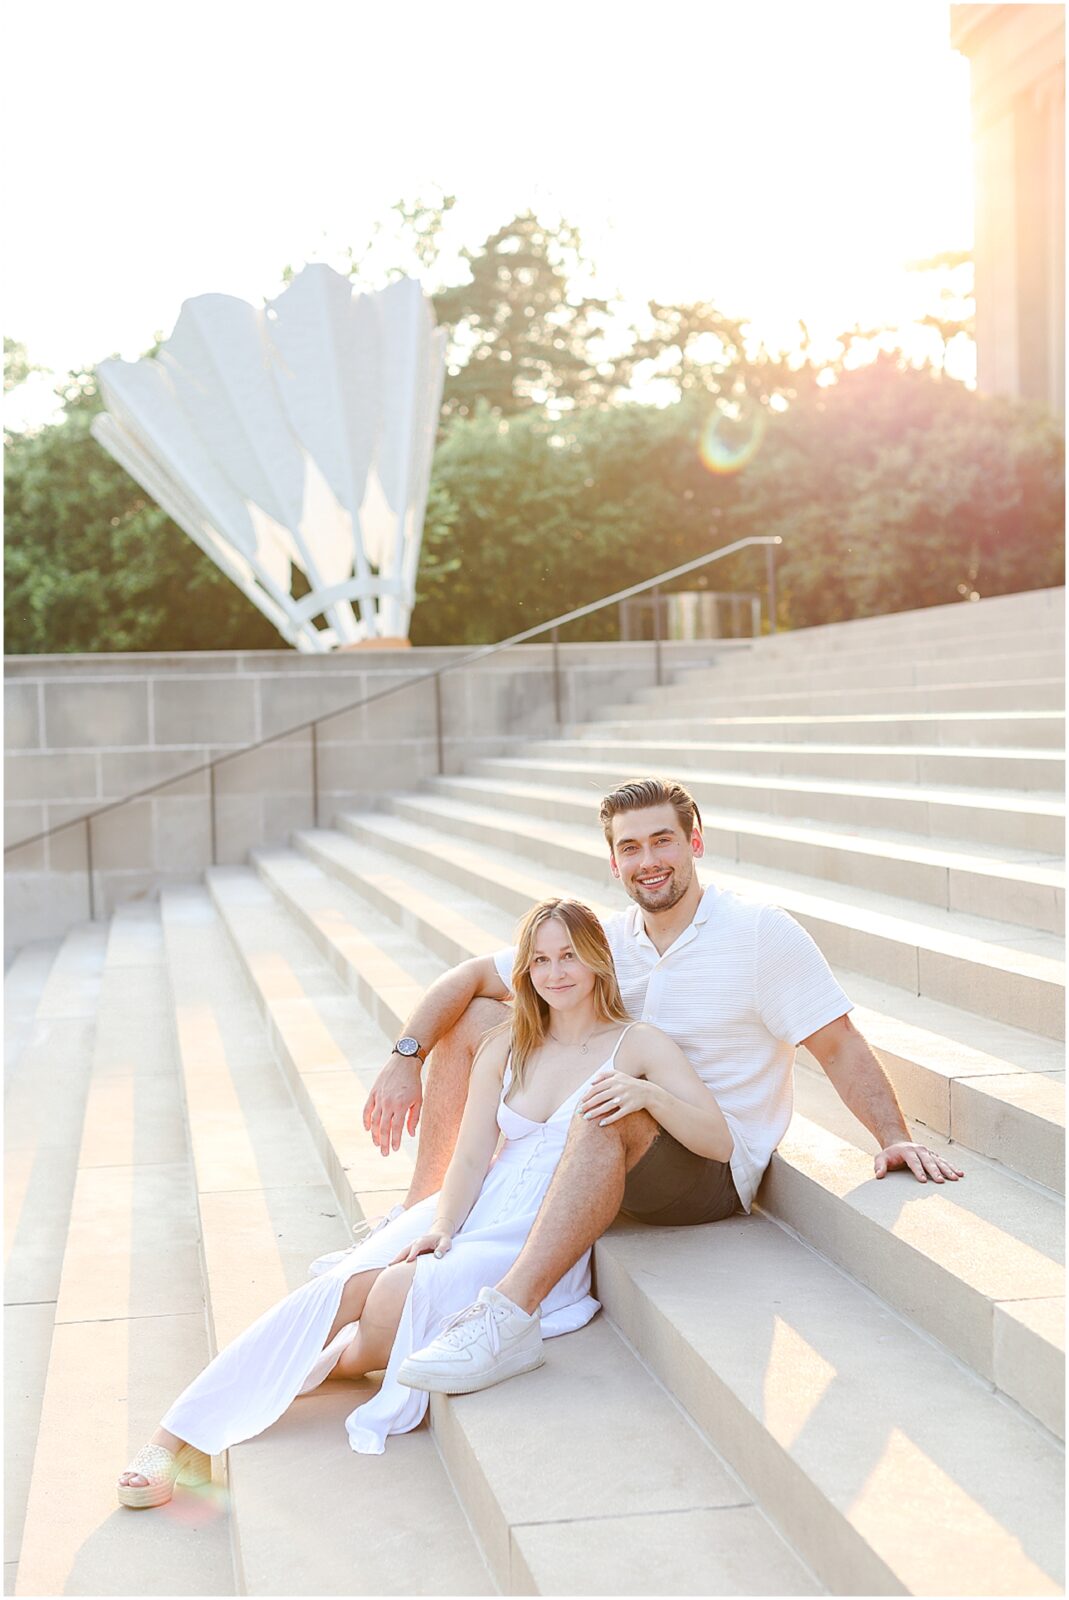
(293, 444)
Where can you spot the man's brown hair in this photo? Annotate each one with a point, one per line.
(638, 793)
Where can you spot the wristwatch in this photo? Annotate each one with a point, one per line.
(407, 1046)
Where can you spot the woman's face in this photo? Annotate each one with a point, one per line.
(556, 971)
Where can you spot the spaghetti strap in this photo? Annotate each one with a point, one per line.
(618, 1043)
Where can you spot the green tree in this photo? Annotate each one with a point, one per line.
(549, 515)
(91, 563)
(17, 364)
(521, 337)
(894, 487)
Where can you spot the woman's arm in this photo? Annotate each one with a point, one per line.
(652, 1074)
(475, 1147)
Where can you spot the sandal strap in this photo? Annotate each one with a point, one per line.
(153, 1461)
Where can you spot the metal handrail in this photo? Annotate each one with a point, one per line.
(436, 673)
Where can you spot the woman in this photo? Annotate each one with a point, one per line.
(371, 1306)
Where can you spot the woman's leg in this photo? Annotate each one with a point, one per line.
(379, 1321)
(353, 1299)
(354, 1295)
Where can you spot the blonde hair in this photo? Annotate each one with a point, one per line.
(639, 793)
(530, 1017)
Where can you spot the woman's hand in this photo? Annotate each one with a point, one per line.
(437, 1240)
(613, 1095)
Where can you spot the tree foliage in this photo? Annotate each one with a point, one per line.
(17, 364)
(91, 563)
(892, 487)
(521, 336)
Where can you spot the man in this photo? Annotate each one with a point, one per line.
(738, 985)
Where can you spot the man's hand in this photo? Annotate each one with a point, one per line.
(397, 1094)
(922, 1162)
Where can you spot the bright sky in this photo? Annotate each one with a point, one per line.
(782, 160)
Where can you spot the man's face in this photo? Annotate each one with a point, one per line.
(652, 856)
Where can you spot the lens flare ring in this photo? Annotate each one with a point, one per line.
(730, 442)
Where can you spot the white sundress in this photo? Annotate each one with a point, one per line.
(255, 1378)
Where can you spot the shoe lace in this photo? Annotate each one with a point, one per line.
(364, 1229)
(461, 1329)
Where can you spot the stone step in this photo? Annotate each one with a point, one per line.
(883, 633)
(1006, 885)
(970, 767)
(265, 1212)
(1023, 609)
(888, 1466)
(1039, 694)
(957, 1260)
(1009, 655)
(482, 1460)
(480, 1444)
(585, 1478)
(869, 669)
(1019, 730)
(997, 1089)
(24, 983)
(495, 1508)
(129, 1322)
(994, 1089)
(328, 1046)
(53, 1020)
(1010, 821)
(1013, 1259)
(374, 958)
(992, 968)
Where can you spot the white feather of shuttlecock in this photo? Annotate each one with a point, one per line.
(294, 439)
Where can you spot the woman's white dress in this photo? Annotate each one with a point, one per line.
(255, 1378)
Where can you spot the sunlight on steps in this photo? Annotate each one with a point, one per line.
(859, 1389)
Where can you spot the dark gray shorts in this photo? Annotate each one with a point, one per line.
(672, 1187)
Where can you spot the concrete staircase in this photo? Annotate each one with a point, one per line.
(857, 1390)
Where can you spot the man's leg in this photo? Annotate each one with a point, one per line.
(445, 1093)
(582, 1200)
(500, 1335)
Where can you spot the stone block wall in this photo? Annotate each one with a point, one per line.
(84, 731)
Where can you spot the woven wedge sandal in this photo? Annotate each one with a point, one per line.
(163, 1468)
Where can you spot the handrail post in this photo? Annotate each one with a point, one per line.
(438, 722)
(555, 636)
(621, 598)
(770, 585)
(89, 867)
(211, 810)
(315, 774)
(658, 670)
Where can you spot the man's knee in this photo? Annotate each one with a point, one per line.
(633, 1134)
(473, 1024)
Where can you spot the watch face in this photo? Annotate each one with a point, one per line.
(407, 1046)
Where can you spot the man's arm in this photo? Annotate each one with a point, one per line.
(397, 1093)
(864, 1087)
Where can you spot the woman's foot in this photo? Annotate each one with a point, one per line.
(150, 1478)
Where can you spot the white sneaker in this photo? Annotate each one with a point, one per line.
(364, 1231)
(482, 1345)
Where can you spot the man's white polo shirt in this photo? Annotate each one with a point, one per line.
(740, 988)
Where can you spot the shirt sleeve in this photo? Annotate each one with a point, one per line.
(795, 990)
(504, 961)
